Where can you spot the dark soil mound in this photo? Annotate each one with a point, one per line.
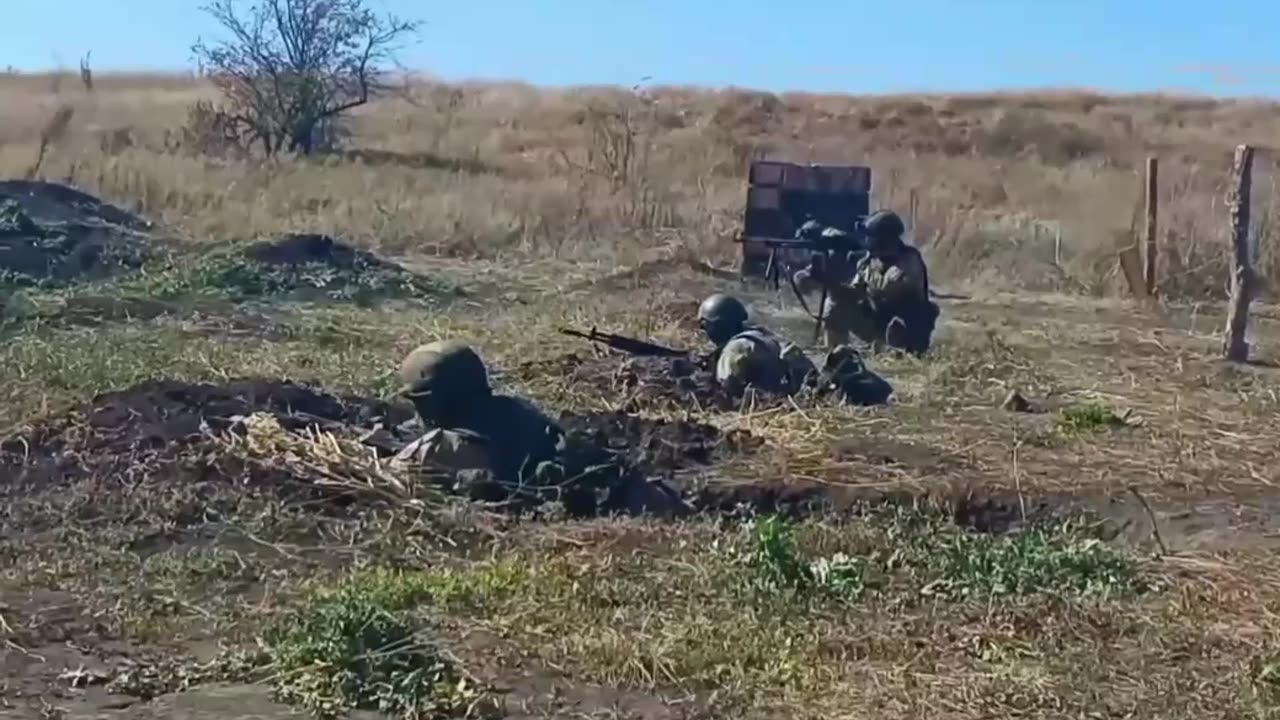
(660, 447)
(162, 429)
(162, 432)
(652, 383)
(53, 234)
(49, 203)
(301, 249)
(166, 421)
(685, 383)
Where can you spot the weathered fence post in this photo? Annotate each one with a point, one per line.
(1153, 202)
(1234, 345)
(86, 73)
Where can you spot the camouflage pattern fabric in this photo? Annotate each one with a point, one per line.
(450, 450)
(473, 429)
(760, 358)
(884, 301)
(520, 438)
(898, 304)
(892, 282)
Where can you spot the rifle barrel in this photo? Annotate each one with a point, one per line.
(626, 344)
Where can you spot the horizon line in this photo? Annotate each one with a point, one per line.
(426, 75)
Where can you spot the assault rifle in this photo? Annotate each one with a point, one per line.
(626, 344)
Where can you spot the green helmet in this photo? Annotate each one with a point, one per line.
(722, 309)
(721, 317)
(444, 369)
(884, 225)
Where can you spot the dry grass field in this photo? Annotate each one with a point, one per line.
(1110, 553)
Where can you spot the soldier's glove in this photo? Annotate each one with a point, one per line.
(892, 275)
(873, 281)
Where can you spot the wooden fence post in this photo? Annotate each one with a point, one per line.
(1234, 346)
(1153, 201)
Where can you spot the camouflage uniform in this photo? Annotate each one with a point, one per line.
(884, 298)
(473, 430)
(840, 315)
(751, 355)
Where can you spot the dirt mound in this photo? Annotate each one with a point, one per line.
(168, 414)
(161, 429)
(49, 203)
(53, 234)
(645, 383)
(305, 248)
(660, 447)
(169, 431)
(684, 383)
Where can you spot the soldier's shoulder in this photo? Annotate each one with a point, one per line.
(767, 338)
(512, 409)
(758, 332)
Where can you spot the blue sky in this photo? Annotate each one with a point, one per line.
(1227, 47)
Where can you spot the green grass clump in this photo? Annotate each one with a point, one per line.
(363, 645)
(1055, 560)
(781, 565)
(232, 275)
(1090, 416)
(924, 553)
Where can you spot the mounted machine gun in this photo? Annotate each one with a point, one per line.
(788, 208)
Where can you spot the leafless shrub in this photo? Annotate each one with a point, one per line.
(210, 131)
(292, 68)
(54, 130)
(616, 149)
(114, 142)
(446, 101)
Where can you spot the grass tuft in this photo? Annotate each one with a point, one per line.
(230, 275)
(1041, 560)
(1090, 416)
(363, 644)
(781, 564)
(936, 558)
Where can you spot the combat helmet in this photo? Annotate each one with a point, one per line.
(884, 226)
(441, 374)
(722, 316)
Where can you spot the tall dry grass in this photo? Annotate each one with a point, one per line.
(1034, 191)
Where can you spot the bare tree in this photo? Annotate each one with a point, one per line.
(290, 67)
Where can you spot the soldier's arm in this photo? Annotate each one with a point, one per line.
(805, 280)
(906, 277)
(866, 274)
(797, 365)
